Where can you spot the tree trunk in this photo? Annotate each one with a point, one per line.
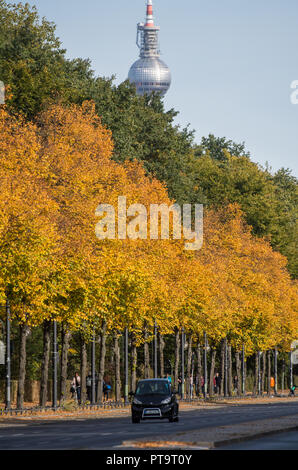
(177, 357)
(256, 374)
(146, 356)
(117, 369)
(212, 369)
(188, 368)
(134, 361)
(43, 398)
(230, 371)
(199, 370)
(222, 358)
(103, 338)
(64, 359)
(22, 366)
(268, 372)
(84, 365)
(161, 355)
(263, 372)
(238, 372)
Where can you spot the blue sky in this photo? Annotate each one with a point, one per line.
(232, 62)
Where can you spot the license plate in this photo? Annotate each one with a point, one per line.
(151, 412)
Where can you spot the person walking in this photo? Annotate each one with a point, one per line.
(76, 386)
(96, 385)
(292, 391)
(272, 384)
(202, 385)
(214, 385)
(89, 386)
(217, 383)
(106, 390)
(179, 385)
(169, 378)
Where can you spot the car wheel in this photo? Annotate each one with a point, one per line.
(135, 420)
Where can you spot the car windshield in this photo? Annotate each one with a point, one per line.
(151, 387)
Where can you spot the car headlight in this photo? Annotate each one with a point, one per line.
(137, 402)
(166, 401)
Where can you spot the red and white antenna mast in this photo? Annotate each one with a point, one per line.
(147, 34)
(149, 15)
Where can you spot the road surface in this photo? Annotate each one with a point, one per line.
(110, 432)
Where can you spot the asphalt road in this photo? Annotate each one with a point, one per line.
(108, 432)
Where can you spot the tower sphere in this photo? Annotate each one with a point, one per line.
(150, 75)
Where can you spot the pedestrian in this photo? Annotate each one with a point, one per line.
(73, 390)
(89, 386)
(217, 383)
(76, 386)
(272, 384)
(169, 379)
(106, 390)
(180, 386)
(203, 385)
(292, 391)
(96, 385)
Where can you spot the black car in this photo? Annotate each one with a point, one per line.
(154, 399)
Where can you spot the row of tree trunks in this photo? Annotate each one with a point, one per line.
(230, 381)
(261, 371)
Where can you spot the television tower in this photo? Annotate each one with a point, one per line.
(149, 73)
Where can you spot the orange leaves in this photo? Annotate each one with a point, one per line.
(53, 177)
(76, 130)
(27, 229)
(252, 278)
